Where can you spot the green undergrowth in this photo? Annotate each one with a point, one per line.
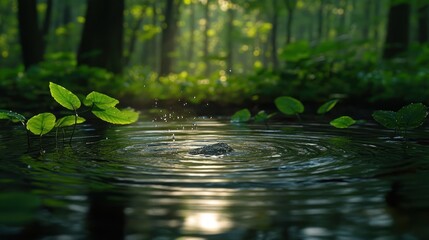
(310, 78)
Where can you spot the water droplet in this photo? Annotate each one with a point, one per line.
(173, 137)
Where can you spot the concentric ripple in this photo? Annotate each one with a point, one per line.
(280, 154)
(283, 181)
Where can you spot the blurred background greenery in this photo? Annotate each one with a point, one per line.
(224, 52)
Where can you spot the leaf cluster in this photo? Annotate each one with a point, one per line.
(101, 105)
(407, 118)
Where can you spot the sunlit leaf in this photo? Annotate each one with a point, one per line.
(100, 100)
(289, 105)
(12, 116)
(41, 123)
(343, 122)
(116, 116)
(411, 116)
(326, 107)
(241, 116)
(64, 97)
(386, 118)
(69, 121)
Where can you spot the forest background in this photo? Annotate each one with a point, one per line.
(226, 53)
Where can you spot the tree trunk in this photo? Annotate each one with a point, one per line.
(47, 23)
(230, 40)
(321, 20)
(206, 38)
(102, 37)
(133, 38)
(423, 21)
(376, 29)
(168, 39)
(31, 38)
(192, 33)
(273, 38)
(290, 6)
(398, 27)
(367, 19)
(342, 21)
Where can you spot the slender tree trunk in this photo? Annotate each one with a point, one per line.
(192, 33)
(367, 19)
(273, 38)
(398, 27)
(149, 54)
(47, 23)
(343, 17)
(376, 29)
(133, 38)
(168, 39)
(102, 37)
(230, 40)
(290, 6)
(423, 21)
(31, 38)
(206, 38)
(321, 20)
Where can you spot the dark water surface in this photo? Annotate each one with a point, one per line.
(282, 182)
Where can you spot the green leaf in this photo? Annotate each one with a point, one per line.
(241, 116)
(64, 97)
(12, 116)
(41, 123)
(262, 116)
(69, 121)
(343, 122)
(100, 100)
(116, 116)
(326, 107)
(386, 118)
(411, 116)
(289, 105)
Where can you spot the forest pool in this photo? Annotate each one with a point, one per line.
(284, 181)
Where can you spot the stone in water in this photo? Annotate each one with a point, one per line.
(214, 149)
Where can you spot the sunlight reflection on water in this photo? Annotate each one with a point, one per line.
(281, 182)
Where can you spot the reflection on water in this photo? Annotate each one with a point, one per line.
(281, 182)
(206, 223)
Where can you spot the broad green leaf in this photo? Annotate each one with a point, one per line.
(116, 116)
(41, 123)
(18, 208)
(100, 100)
(343, 122)
(411, 116)
(326, 107)
(386, 118)
(262, 116)
(241, 116)
(69, 121)
(64, 97)
(289, 105)
(12, 116)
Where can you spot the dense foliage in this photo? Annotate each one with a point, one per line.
(230, 52)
